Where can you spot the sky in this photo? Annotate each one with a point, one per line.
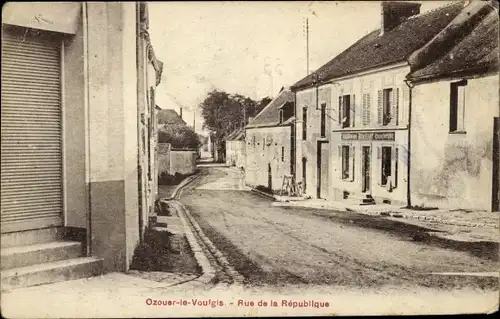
(251, 48)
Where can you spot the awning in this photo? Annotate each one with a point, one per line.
(51, 16)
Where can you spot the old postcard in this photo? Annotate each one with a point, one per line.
(207, 159)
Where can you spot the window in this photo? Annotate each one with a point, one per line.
(304, 123)
(282, 153)
(388, 100)
(347, 162)
(304, 172)
(345, 111)
(386, 164)
(323, 120)
(366, 109)
(457, 106)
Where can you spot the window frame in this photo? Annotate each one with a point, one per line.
(323, 120)
(387, 95)
(346, 111)
(304, 123)
(457, 123)
(382, 164)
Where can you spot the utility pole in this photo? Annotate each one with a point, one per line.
(307, 44)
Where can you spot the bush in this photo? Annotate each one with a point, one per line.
(153, 253)
(167, 179)
(179, 136)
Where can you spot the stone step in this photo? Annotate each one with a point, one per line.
(62, 270)
(21, 256)
(29, 237)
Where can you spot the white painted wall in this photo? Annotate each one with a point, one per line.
(453, 170)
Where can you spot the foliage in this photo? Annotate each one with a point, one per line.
(223, 113)
(179, 136)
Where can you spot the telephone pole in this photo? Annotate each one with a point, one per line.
(307, 44)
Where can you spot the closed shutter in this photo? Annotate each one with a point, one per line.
(31, 161)
(380, 111)
(353, 110)
(352, 156)
(395, 106)
(340, 110)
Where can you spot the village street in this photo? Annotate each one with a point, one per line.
(275, 246)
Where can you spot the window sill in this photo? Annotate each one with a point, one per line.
(457, 132)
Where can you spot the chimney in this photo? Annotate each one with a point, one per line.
(180, 112)
(395, 12)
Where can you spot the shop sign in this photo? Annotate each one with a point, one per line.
(382, 136)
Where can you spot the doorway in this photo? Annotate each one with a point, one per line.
(366, 169)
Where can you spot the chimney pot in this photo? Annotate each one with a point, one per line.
(395, 12)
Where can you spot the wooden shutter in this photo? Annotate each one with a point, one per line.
(380, 110)
(352, 155)
(366, 109)
(394, 166)
(395, 106)
(341, 106)
(31, 133)
(352, 109)
(378, 166)
(340, 165)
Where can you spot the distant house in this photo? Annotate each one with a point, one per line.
(169, 117)
(235, 148)
(269, 145)
(455, 126)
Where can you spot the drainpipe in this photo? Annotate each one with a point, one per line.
(86, 97)
(138, 53)
(408, 157)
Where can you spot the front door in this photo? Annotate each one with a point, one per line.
(366, 169)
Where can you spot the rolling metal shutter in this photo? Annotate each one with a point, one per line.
(31, 132)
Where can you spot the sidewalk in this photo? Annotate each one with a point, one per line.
(461, 225)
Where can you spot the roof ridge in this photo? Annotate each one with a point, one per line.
(455, 3)
(285, 90)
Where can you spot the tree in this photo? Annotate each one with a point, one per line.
(223, 113)
(179, 136)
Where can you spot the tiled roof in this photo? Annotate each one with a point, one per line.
(476, 52)
(169, 116)
(392, 47)
(270, 115)
(236, 135)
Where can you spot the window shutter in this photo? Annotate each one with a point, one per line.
(380, 111)
(395, 106)
(351, 164)
(378, 165)
(339, 150)
(368, 108)
(353, 110)
(340, 110)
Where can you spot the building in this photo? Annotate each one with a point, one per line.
(353, 112)
(235, 148)
(169, 117)
(455, 116)
(269, 145)
(78, 83)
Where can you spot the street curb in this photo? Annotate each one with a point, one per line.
(263, 193)
(217, 254)
(184, 182)
(208, 272)
(400, 214)
(441, 220)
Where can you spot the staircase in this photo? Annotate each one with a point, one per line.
(360, 199)
(42, 256)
